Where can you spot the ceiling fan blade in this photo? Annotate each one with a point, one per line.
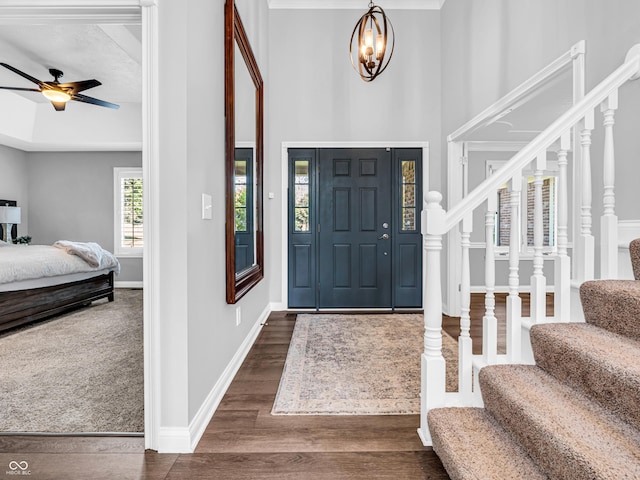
(93, 101)
(24, 75)
(59, 106)
(21, 89)
(80, 86)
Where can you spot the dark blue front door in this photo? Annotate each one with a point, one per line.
(355, 220)
(354, 228)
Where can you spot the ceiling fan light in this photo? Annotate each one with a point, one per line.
(56, 95)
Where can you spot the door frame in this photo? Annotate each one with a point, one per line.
(284, 212)
(25, 12)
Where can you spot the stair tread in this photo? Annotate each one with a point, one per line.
(566, 433)
(472, 446)
(600, 363)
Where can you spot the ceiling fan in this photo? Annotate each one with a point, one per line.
(60, 93)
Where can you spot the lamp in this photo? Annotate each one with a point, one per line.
(55, 95)
(8, 217)
(371, 50)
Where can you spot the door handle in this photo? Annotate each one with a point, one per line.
(385, 236)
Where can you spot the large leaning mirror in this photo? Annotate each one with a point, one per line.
(244, 159)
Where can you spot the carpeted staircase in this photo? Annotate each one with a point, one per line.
(575, 414)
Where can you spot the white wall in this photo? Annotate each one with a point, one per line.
(71, 198)
(14, 184)
(491, 46)
(314, 94)
(198, 334)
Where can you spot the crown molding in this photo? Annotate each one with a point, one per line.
(354, 4)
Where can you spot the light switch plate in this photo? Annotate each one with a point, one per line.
(207, 207)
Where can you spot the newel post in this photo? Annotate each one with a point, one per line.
(433, 381)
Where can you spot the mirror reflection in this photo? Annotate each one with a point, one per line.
(244, 169)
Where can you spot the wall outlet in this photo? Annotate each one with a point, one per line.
(238, 316)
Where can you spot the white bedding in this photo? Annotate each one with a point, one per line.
(22, 262)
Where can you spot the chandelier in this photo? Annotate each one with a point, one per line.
(372, 58)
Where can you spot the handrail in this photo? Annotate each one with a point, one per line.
(547, 137)
(519, 92)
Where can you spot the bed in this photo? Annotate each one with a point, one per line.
(38, 281)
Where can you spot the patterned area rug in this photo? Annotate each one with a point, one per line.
(78, 372)
(359, 364)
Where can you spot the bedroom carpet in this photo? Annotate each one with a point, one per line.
(360, 364)
(78, 372)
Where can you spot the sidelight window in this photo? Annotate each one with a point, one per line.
(301, 200)
(408, 192)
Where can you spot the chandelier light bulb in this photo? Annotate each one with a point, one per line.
(372, 58)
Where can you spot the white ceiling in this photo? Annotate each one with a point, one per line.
(108, 53)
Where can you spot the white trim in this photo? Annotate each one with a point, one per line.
(174, 440)
(354, 5)
(14, 12)
(284, 156)
(151, 195)
(70, 147)
(505, 289)
(203, 416)
(128, 284)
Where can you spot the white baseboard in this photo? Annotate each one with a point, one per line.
(208, 408)
(174, 440)
(277, 306)
(125, 284)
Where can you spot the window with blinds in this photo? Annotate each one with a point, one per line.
(129, 223)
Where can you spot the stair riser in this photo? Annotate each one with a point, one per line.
(613, 305)
(613, 387)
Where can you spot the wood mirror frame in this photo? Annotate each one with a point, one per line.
(240, 283)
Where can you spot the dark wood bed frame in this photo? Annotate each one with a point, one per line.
(24, 306)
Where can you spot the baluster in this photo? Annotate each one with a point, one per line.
(538, 281)
(609, 220)
(465, 350)
(562, 272)
(432, 362)
(489, 321)
(514, 302)
(586, 248)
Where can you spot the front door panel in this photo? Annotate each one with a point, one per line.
(354, 261)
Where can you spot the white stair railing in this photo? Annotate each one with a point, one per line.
(436, 222)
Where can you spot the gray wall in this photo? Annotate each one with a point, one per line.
(491, 46)
(71, 198)
(14, 184)
(314, 94)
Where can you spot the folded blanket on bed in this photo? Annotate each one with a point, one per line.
(90, 252)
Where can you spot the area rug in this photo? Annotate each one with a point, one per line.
(78, 372)
(361, 364)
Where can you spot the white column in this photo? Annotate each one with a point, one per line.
(562, 262)
(465, 346)
(586, 244)
(609, 220)
(514, 302)
(489, 321)
(433, 365)
(538, 281)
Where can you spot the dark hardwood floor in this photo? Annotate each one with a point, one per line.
(243, 440)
